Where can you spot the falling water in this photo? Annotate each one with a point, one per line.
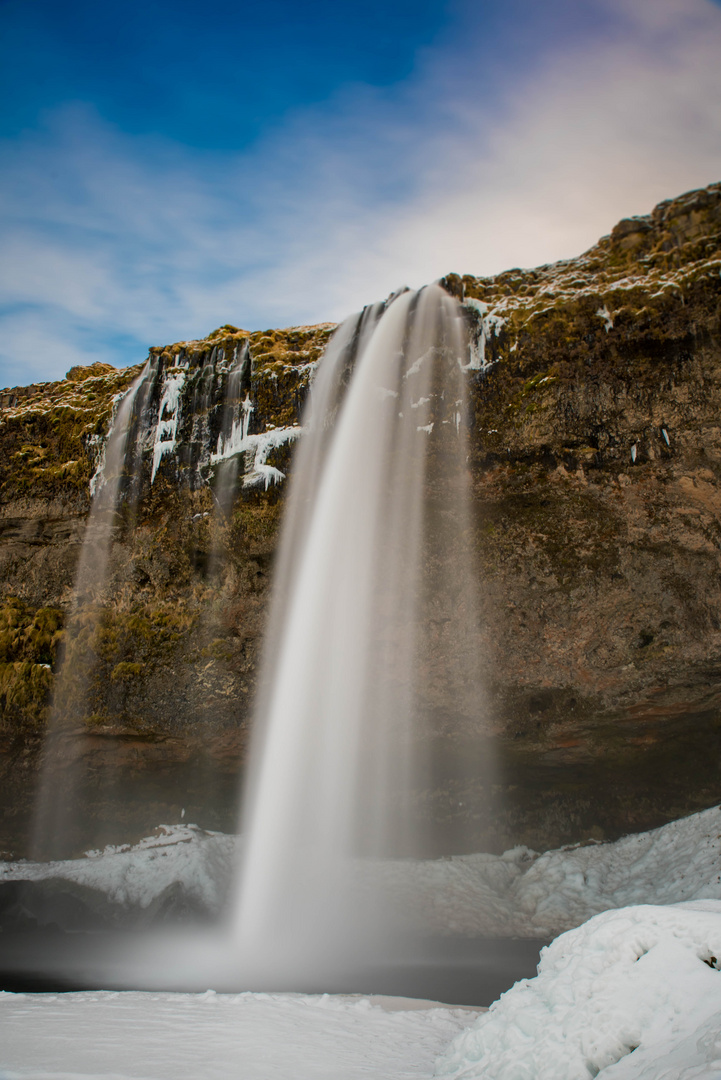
(54, 825)
(166, 425)
(371, 630)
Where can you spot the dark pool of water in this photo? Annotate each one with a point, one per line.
(455, 970)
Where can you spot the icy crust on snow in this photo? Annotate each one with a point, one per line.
(518, 894)
(633, 994)
(136, 875)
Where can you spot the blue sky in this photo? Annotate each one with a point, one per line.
(169, 167)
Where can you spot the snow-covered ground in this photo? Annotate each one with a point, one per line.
(523, 894)
(633, 994)
(518, 894)
(137, 1036)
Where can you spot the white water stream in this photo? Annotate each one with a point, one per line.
(373, 611)
(61, 770)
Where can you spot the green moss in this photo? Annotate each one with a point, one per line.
(219, 649)
(145, 635)
(97, 719)
(45, 439)
(539, 380)
(256, 526)
(80, 374)
(24, 695)
(28, 634)
(126, 670)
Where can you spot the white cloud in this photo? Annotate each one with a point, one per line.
(113, 241)
(602, 132)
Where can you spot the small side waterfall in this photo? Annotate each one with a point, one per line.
(55, 805)
(373, 623)
(163, 431)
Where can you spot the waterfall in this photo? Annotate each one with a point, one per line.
(62, 753)
(370, 670)
(372, 625)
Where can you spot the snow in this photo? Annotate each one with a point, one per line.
(573, 280)
(523, 894)
(478, 305)
(135, 875)
(517, 894)
(163, 1036)
(416, 367)
(633, 994)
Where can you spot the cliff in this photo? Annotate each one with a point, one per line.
(596, 458)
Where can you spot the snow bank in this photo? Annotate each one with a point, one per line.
(518, 894)
(135, 876)
(523, 894)
(634, 993)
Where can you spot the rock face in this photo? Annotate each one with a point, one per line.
(597, 457)
(596, 462)
(162, 716)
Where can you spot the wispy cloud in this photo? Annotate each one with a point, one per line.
(472, 164)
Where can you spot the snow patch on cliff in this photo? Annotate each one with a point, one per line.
(605, 314)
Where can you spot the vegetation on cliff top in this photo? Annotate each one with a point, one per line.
(51, 434)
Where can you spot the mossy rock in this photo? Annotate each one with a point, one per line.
(25, 690)
(28, 634)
